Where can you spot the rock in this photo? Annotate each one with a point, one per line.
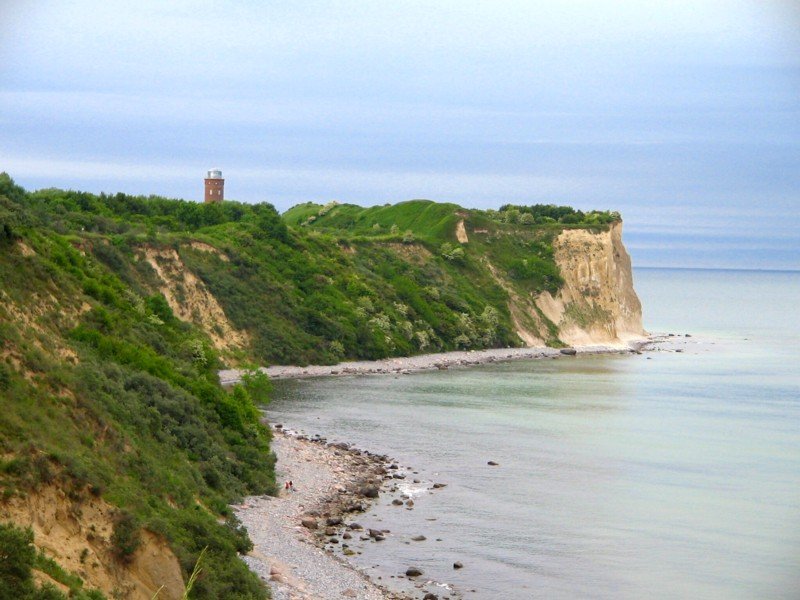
(413, 572)
(279, 426)
(569, 351)
(374, 533)
(678, 350)
(369, 491)
(355, 526)
(330, 531)
(346, 536)
(418, 538)
(334, 540)
(436, 486)
(309, 523)
(409, 503)
(333, 521)
(348, 593)
(491, 463)
(458, 565)
(430, 596)
(397, 502)
(348, 552)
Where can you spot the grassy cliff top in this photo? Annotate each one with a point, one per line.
(433, 221)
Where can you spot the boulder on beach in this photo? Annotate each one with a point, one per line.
(413, 572)
(397, 502)
(491, 463)
(309, 523)
(569, 351)
(436, 486)
(333, 521)
(418, 538)
(369, 491)
(458, 565)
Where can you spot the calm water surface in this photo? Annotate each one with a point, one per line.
(662, 475)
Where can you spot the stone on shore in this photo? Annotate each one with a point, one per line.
(458, 565)
(569, 351)
(413, 572)
(309, 523)
(369, 491)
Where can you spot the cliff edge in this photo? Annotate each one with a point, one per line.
(596, 303)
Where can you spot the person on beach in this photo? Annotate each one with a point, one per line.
(291, 485)
(286, 486)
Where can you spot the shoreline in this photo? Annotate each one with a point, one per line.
(302, 539)
(442, 360)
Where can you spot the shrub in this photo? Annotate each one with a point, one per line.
(16, 560)
(126, 536)
(452, 253)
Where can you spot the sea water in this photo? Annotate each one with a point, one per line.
(662, 475)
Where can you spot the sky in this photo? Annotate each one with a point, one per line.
(682, 115)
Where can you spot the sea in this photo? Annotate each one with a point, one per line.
(674, 473)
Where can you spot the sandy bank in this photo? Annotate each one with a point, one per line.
(302, 539)
(425, 362)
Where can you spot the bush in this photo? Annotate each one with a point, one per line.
(16, 560)
(126, 537)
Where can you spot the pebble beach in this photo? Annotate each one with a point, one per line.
(442, 360)
(303, 536)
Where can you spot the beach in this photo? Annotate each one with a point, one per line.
(441, 360)
(302, 537)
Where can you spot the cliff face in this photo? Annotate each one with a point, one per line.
(597, 303)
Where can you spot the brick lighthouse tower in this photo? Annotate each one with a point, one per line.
(215, 186)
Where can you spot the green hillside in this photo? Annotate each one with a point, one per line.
(116, 312)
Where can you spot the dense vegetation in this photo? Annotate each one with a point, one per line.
(107, 392)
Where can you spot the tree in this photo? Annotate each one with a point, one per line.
(527, 219)
(258, 385)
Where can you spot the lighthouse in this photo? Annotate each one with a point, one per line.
(215, 186)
